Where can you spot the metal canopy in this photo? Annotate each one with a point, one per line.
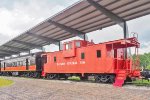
(81, 18)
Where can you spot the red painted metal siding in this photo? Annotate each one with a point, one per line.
(19, 68)
(91, 64)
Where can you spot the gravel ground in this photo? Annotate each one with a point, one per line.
(39, 89)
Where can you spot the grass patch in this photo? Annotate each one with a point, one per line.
(141, 82)
(5, 82)
(74, 78)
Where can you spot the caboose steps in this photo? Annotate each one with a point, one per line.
(118, 83)
(120, 78)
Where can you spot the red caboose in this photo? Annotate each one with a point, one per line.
(105, 61)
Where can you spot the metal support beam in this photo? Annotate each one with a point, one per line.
(29, 52)
(43, 38)
(108, 13)
(59, 46)
(114, 18)
(27, 44)
(84, 37)
(66, 28)
(1, 58)
(42, 49)
(125, 29)
(15, 48)
(9, 52)
(126, 35)
(4, 54)
(18, 55)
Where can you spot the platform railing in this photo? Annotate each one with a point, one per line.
(121, 64)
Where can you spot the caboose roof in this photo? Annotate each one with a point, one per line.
(123, 43)
(80, 18)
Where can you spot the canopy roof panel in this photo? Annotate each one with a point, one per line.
(81, 18)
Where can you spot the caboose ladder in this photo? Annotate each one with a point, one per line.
(120, 78)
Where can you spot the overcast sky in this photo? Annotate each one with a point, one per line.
(16, 16)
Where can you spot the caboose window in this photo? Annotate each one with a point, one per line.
(98, 53)
(82, 55)
(55, 59)
(78, 44)
(68, 46)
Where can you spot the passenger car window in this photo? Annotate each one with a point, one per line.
(21, 63)
(24, 63)
(32, 62)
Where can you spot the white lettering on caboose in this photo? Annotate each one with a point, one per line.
(82, 62)
(70, 63)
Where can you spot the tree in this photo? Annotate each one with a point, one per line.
(144, 60)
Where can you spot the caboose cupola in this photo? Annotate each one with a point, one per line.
(76, 44)
(69, 48)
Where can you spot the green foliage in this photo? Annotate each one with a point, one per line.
(144, 60)
(141, 82)
(148, 67)
(74, 78)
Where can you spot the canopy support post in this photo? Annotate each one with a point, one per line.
(59, 44)
(126, 35)
(84, 37)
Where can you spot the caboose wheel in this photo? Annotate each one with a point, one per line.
(104, 78)
(85, 78)
(112, 79)
(97, 79)
(51, 76)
